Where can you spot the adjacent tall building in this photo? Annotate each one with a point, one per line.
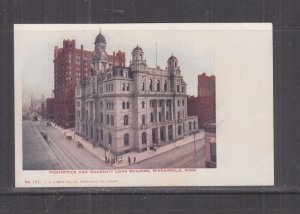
(70, 65)
(204, 105)
(131, 108)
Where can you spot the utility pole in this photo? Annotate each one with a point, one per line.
(75, 112)
(195, 142)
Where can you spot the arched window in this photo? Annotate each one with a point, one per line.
(151, 117)
(109, 139)
(143, 86)
(127, 87)
(179, 130)
(150, 85)
(158, 85)
(143, 119)
(126, 139)
(144, 138)
(165, 85)
(125, 120)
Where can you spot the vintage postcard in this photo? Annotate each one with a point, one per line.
(141, 105)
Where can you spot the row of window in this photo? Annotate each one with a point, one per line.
(168, 116)
(109, 119)
(125, 138)
(109, 105)
(190, 127)
(158, 86)
(182, 102)
(125, 87)
(152, 103)
(125, 105)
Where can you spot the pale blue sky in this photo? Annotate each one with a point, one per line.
(35, 51)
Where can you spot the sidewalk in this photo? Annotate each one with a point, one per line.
(140, 156)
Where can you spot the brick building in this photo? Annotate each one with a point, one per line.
(206, 85)
(72, 64)
(204, 105)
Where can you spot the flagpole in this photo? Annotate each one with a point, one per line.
(156, 53)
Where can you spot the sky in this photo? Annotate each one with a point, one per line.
(34, 51)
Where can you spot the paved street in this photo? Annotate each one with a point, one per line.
(65, 153)
(36, 153)
(61, 153)
(181, 157)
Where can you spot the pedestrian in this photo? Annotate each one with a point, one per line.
(129, 160)
(134, 159)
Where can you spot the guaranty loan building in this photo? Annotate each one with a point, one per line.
(131, 108)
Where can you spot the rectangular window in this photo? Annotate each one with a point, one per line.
(112, 120)
(107, 119)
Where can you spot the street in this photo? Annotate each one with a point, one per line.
(66, 153)
(181, 157)
(58, 152)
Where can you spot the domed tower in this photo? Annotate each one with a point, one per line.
(100, 58)
(138, 62)
(172, 62)
(173, 65)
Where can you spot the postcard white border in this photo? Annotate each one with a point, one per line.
(244, 102)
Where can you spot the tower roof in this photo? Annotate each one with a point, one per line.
(100, 39)
(137, 48)
(172, 58)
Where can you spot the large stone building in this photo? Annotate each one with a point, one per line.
(131, 108)
(70, 65)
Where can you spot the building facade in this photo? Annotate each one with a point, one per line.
(204, 105)
(70, 65)
(126, 109)
(206, 85)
